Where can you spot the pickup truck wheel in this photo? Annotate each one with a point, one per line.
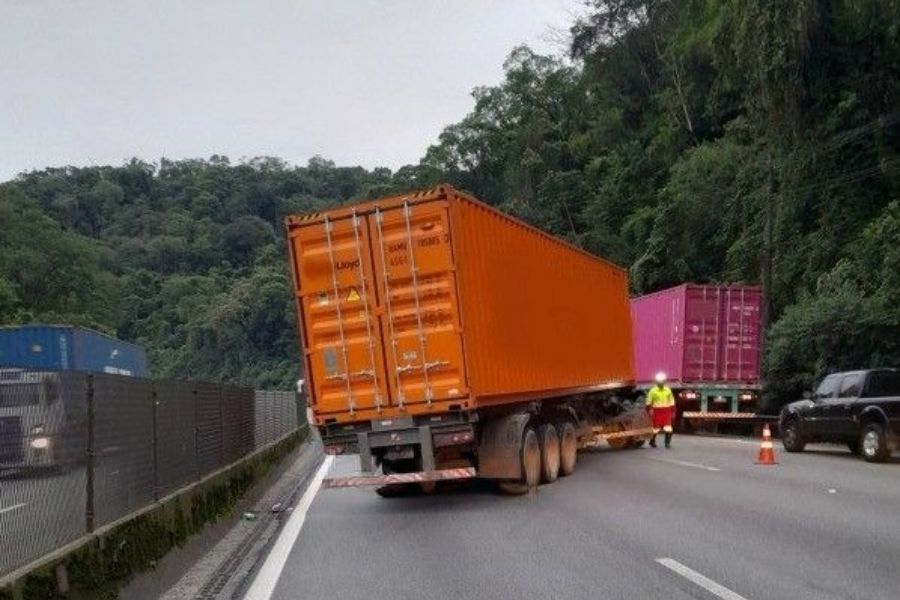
(568, 448)
(549, 442)
(791, 438)
(874, 443)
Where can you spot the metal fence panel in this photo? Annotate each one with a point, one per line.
(176, 443)
(260, 422)
(209, 427)
(122, 446)
(43, 449)
(237, 422)
(284, 413)
(147, 439)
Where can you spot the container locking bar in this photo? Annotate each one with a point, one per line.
(364, 291)
(386, 276)
(329, 226)
(410, 248)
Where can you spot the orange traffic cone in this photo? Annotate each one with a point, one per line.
(766, 451)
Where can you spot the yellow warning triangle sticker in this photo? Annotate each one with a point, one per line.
(353, 296)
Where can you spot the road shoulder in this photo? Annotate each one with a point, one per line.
(219, 562)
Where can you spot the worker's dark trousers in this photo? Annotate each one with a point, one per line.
(668, 439)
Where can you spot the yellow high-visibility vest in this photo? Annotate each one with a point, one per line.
(660, 397)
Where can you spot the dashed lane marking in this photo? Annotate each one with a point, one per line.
(13, 507)
(699, 579)
(685, 463)
(264, 584)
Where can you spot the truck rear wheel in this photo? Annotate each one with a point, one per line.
(568, 448)
(530, 457)
(549, 442)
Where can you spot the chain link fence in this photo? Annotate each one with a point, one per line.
(80, 451)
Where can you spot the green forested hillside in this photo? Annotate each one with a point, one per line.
(703, 140)
(186, 258)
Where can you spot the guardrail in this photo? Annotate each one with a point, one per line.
(80, 452)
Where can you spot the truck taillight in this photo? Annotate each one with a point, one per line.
(689, 395)
(746, 396)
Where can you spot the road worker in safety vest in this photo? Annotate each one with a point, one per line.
(661, 404)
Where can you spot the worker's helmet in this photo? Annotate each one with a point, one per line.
(660, 377)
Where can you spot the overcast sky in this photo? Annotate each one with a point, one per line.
(86, 82)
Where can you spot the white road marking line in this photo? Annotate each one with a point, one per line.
(725, 440)
(685, 463)
(705, 582)
(13, 507)
(264, 584)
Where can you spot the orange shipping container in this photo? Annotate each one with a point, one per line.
(434, 302)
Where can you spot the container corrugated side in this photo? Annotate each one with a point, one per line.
(699, 334)
(433, 302)
(540, 317)
(658, 320)
(99, 353)
(61, 347)
(36, 347)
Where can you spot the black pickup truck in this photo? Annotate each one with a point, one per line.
(857, 408)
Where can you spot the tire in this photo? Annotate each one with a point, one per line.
(791, 438)
(873, 443)
(530, 457)
(568, 448)
(638, 443)
(549, 441)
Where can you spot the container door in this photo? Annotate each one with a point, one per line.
(701, 334)
(420, 317)
(342, 340)
(741, 334)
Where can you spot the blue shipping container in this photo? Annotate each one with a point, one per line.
(66, 348)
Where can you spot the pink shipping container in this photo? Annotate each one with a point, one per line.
(698, 335)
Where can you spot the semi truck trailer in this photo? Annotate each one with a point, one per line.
(69, 348)
(706, 339)
(443, 339)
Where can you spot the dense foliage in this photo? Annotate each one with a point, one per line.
(706, 140)
(186, 258)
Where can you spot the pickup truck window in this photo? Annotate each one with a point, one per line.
(828, 388)
(883, 384)
(851, 386)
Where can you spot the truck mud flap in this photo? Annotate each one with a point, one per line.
(394, 478)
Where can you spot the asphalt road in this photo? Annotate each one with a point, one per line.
(698, 521)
